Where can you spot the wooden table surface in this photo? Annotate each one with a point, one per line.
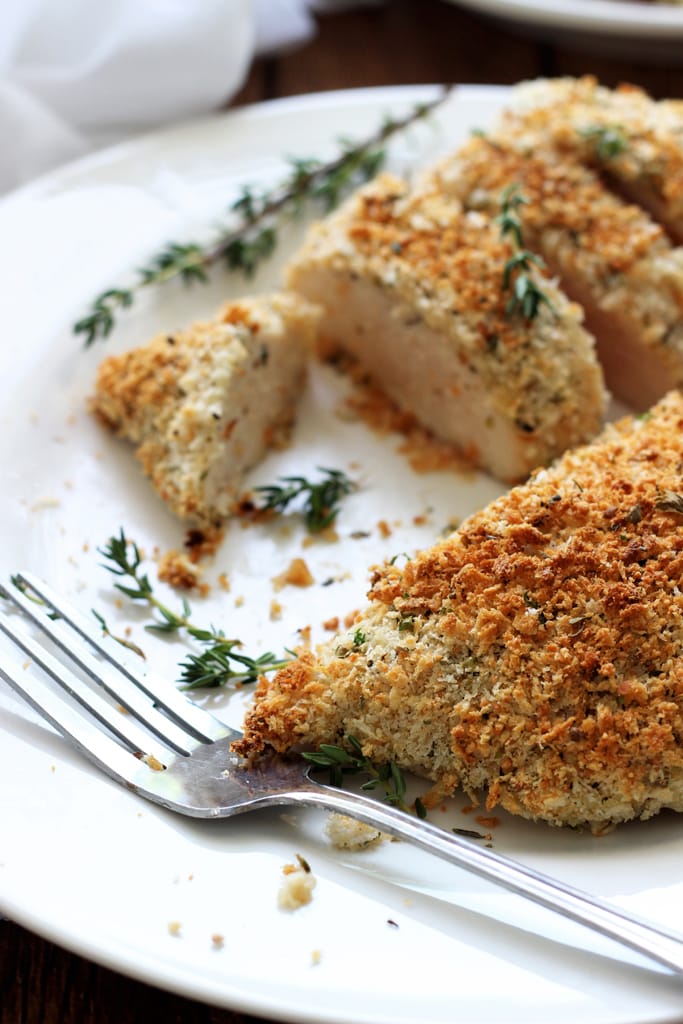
(401, 42)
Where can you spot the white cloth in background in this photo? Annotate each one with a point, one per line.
(79, 74)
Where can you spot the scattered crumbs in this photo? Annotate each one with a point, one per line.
(45, 503)
(86, 547)
(177, 569)
(316, 957)
(392, 923)
(468, 809)
(72, 561)
(224, 582)
(407, 901)
(139, 814)
(203, 543)
(331, 624)
(118, 602)
(174, 929)
(348, 834)
(419, 520)
(297, 574)
(275, 610)
(305, 634)
(239, 601)
(190, 878)
(297, 886)
(72, 420)
(151, 761)
(26, 664)
(33, 417)
(487, 822)
(351, 618)
(330, 536)
(53, 767)
(469, 833)
(384, 528)
(69, 485)
(217, 941)
(360, 535)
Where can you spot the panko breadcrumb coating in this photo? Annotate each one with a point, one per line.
(534, 657)
(204, 405)
(635, 141)
(412, 287)
(609, 255)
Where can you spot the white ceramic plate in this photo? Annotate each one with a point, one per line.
(89, 865)
(646, 21)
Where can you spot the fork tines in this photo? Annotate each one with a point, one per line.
(142, 704)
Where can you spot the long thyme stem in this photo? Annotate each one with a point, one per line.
(252, 235)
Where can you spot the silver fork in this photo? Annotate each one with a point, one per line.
(170, 751)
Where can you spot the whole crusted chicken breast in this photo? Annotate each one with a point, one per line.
(535, 656)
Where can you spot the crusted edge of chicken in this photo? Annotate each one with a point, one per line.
(204, 404)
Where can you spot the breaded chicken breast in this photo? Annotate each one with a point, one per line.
(534, 657)
(414, 288)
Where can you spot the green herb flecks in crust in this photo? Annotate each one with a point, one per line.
(608, 141)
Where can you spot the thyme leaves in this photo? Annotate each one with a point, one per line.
(526, 297)
(321, 498)
(340, 761)
(221, 662)
(251, 235)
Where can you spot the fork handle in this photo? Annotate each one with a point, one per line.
(656, 943)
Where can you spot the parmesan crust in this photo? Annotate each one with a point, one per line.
(609, 255)
(634, 140)
(535, 656)
(202, 406)
(412, 287)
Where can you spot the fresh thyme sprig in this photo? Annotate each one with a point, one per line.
(526, 297)
(321, 505)
(220, 663)
(251, 235)
(387, 776)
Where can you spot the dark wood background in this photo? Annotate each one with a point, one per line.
(401, 42)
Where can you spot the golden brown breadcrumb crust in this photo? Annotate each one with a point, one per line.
(636, 141)
(535, 655)
(414, 288)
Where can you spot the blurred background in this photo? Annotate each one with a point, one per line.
(75, 76)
